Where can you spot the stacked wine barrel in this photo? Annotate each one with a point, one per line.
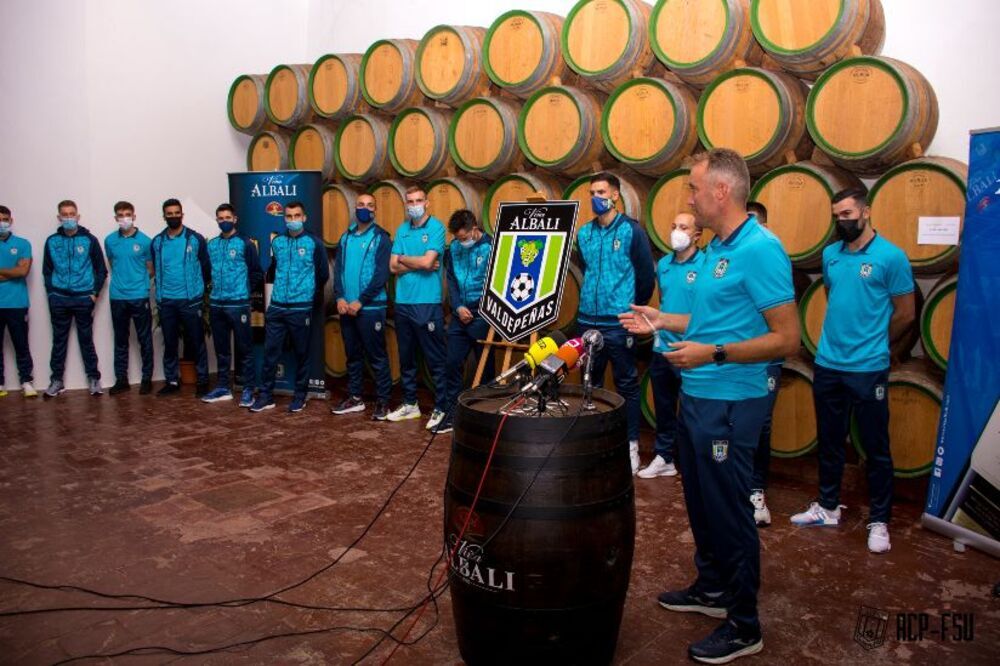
(538, 102)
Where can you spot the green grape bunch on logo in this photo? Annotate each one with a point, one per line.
(529, 251)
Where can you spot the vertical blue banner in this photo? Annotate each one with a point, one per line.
(260, 199)
(964, 488)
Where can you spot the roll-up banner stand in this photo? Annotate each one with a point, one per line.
(963, 498)
(260, 199)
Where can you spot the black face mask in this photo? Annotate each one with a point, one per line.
(849, 230)
(174, 222)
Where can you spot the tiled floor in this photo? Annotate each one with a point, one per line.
(176, 500)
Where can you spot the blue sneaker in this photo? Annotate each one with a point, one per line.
(217, 395)
(263, 402)
(298, 403)
(246, 398)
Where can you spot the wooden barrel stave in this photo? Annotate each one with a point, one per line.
(388, 75)
(522, 52)
(362, 150)
(335, 86)
(339, 202)
(268, 151)
(312, 148)
(286, 95)
(450, 66)
(418, 143)
(245, 104)
(936, 321)
(482, 137)
(559, 130)
(607, 42)
(793, 430)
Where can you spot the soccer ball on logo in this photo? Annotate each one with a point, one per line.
(522, 287)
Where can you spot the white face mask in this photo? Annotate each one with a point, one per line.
(415, 212)
(125, 223)
(679, 240)
(467, 243)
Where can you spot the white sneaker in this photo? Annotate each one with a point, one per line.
(29, 390)
(659, 467)
(404, 412)
(633, 454)
(816, 515)
(878, 538)
(761, 514)
(437, 416)
(3, 391)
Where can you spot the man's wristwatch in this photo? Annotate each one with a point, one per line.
(720, 355)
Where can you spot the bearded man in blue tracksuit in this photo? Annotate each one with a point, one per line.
(361, 271)
(236, 273)
(465, 264)
(298, 262)
(617, 272)
(182, 268)
(74, 273)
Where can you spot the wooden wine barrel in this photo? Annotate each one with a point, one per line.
(339, 202)
(446, 195)
(797, 198)
(334, 354)
(767, 136)
(335, 86)
(286, 95)
(698, 41)
(936, 322)
(312, 148)
(390, 204)
(418, 143)
(924, 187)
(515, 594)
(634, 192)
(914, 410)
(607, 41)
(518, 187)
(268, 151)
(362, 150)
(806, 36)
(570, 304)
(649, 124)
(521, 51)
(871, 113)
(559, 130)
(450, 64)
(482, 138)
(245, 104)
(388, 76)
(793, 430)
(812, 311)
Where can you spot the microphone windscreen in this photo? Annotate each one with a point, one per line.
(539, 351)
(569, 354)
(558, 337)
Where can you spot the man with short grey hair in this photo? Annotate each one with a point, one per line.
(743, 315)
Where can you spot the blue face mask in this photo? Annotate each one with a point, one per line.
(363, 215)
(600, 205)
(226, 226)
(294, 226)
(68, 223)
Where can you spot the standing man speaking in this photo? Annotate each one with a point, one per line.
(743, 315)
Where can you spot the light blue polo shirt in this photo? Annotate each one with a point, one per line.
(741, 278)
(419, 287)
(861, 286)
(676, 281)
(13, 293)
(127, 257)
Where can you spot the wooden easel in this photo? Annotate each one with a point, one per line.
(492, 340)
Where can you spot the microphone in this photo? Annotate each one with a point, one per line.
(594, 341)
(536, 354)
(558, 365)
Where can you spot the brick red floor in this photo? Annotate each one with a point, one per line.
(174, 499)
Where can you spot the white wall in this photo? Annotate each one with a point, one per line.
(111, 99)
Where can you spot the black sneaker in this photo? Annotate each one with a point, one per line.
(381, 411)
(201, 390)
(121, 386)
(690, 601)
(146, 387)
(349, 405)
(725, 644)
(168, 389)
(443, 427)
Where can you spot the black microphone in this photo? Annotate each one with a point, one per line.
(593, 342)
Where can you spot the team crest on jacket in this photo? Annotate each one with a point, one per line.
(721, 268)
(527, 266)
(232, 254)
(880, 392)
(302, 252)
(616, 244)
(79, 249)
(866, 270)
(479, 260)
(720, 450)
(423, 239)
(692, 276)
(13, 250)
(135, 247)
